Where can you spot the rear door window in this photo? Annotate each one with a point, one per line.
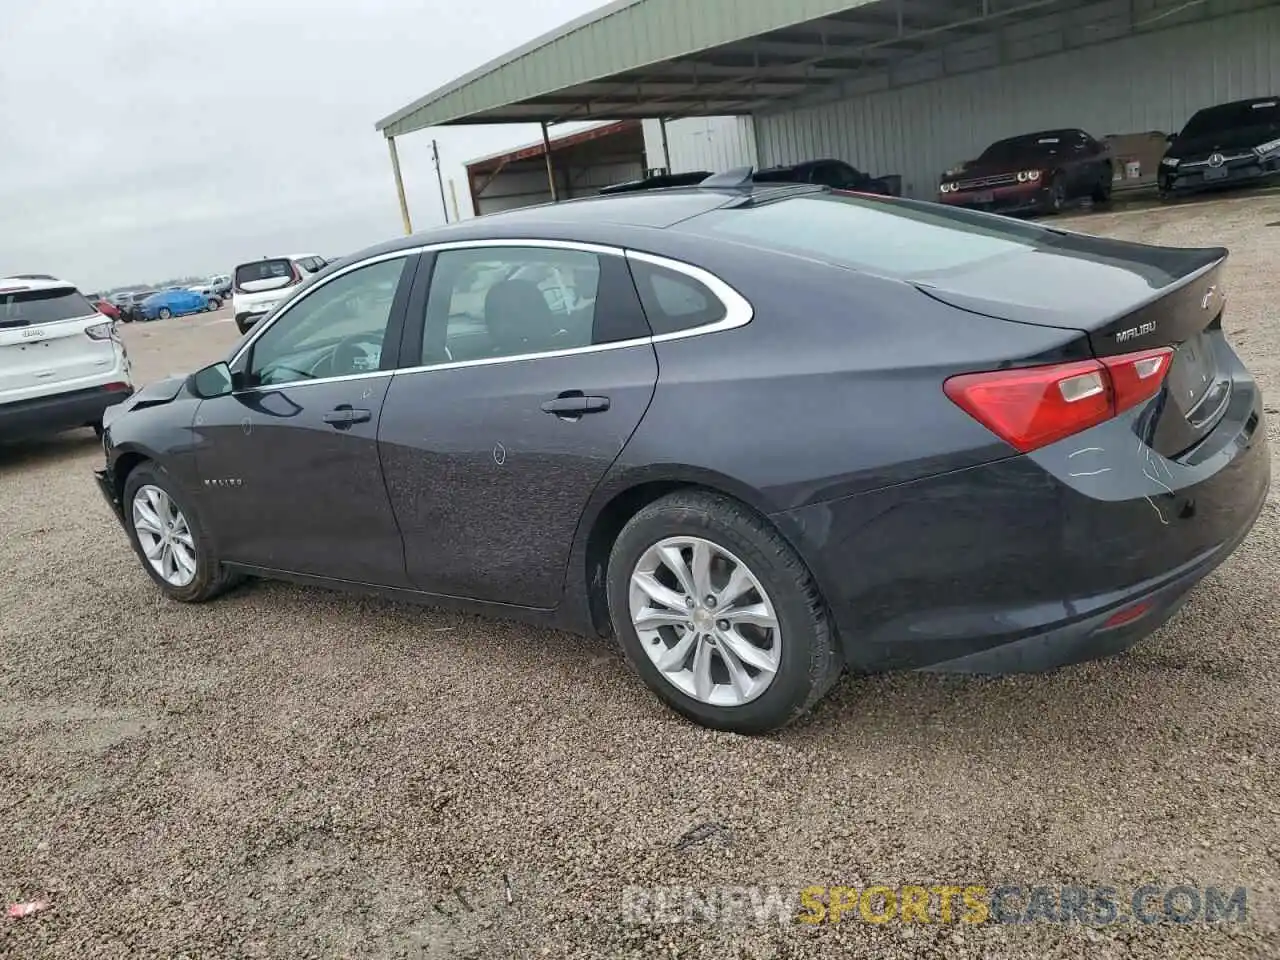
(493, 302)
(23, 308)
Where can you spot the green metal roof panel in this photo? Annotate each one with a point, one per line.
(624, 35)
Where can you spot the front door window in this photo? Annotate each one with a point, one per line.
(335, 331)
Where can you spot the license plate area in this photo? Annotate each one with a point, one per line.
(1192, 374)
(1216, 173)
(984, 196)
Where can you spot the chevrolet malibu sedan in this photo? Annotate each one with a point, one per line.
(761, 435)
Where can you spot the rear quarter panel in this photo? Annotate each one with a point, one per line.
(834, 388)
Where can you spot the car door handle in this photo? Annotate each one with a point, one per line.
(573, 404)
(345, 416)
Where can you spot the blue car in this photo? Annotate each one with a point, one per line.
(175, 303)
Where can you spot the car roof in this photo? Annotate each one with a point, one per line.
(13, 284)
(1058, 132)
(643, 210)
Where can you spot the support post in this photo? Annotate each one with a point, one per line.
(435, 156)
(395, 169)
(666, 147)
(551, 170)
(453, 197)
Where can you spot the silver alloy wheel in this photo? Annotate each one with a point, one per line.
(164, 535)
(705, 621)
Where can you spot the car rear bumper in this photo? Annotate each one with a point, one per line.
(1072, 552)
(42, 416)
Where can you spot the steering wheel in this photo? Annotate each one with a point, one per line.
(358, 353)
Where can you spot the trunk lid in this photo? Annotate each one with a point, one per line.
(1124, 298)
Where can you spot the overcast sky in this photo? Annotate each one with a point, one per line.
(146, 139)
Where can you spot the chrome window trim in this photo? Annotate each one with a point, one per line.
(596, 248)
(738, 310)
(288, 305)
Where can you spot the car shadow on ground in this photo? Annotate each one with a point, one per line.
(1165, 682)
(16, 454)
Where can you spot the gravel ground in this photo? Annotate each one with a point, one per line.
(290, 772)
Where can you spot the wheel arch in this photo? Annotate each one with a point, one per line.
(127, 459)
(618, 500)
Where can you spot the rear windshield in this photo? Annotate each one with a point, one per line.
(928, 243)
(897, 238)
(21, 308)
(1232, 116)
(263, 270)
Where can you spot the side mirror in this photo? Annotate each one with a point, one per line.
(1169, 138)
(213, 381)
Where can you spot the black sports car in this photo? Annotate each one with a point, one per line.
(761, 434)
(825, 173)
(1232, 144)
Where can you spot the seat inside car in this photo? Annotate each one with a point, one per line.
(518, 318)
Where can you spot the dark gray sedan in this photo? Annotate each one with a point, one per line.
(759, 434)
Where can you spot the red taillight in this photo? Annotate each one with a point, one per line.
(1137, 376)
(1031, 407)
(1126, 615)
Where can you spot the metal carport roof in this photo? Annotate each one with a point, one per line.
(669, 59)
(687, 58)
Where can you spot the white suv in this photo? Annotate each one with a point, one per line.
(257, 287)
(61, 362)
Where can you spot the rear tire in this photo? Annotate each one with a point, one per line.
(803, 661)
(209, 577)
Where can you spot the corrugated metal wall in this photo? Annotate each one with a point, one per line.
(710, 143)
(526, 184)
(1153, 81)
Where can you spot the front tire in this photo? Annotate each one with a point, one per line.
(1057, 196)
(163, 313)
(1102, 192)
(213, 304)
(167, 536)
(718, 614)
